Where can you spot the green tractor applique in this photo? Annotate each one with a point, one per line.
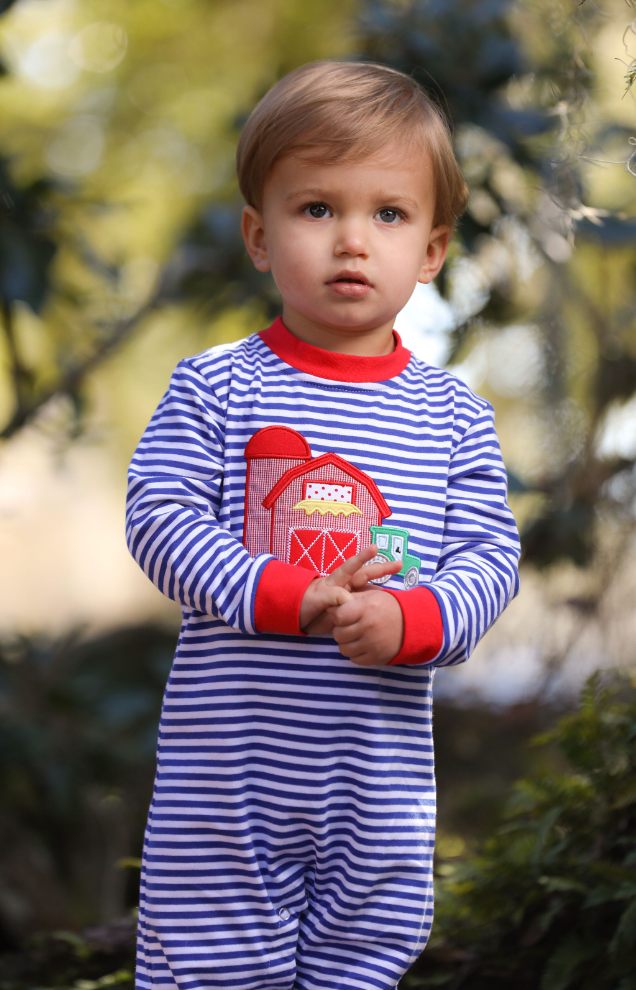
(393, 544)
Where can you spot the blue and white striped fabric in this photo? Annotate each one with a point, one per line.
(290, 836)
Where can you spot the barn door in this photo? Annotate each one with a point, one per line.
(321, 550)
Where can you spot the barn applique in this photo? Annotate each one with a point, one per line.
(316, 512)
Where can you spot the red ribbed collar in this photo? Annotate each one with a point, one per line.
(327, 364)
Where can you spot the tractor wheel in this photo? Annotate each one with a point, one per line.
(379, 559)
(411, 577)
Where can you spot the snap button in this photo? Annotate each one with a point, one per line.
(284, 914)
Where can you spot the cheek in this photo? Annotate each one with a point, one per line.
(405, 257)
(294, 257)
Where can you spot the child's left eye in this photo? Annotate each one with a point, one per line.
(389, 216)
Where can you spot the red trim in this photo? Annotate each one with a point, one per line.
(278, 441)
(279, 594)
(423, 629)
(338, 462)
(324, 483)
(329, 364)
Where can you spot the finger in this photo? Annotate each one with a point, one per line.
(347, 634)
(342, 574)
(348, 613)
(322, 625)
(370, 571)
(335, 596)
(328, 598)
(352, 650)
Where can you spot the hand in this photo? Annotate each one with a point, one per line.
(369, 628)
(336, 588)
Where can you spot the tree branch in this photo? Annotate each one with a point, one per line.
(20, 375)
(68, 383)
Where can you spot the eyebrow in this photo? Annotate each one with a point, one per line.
(381, 196)
(318, 193)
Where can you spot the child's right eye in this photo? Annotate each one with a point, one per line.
(316, 210)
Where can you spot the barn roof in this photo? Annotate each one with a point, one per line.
(338, 462)
(277, 441)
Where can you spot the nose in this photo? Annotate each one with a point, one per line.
(351, 239)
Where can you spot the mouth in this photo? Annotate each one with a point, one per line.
(351, 285)
(350, 278)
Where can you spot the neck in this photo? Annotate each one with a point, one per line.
(359, 341)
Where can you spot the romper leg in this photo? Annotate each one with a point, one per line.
(367, 947)
(217, 910)
(371, 907)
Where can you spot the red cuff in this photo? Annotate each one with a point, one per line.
(278, 596)
(423, 628)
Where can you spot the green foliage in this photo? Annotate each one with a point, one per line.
(98, 957)
(550, 901)
(78, 729)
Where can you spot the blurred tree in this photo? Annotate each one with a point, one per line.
(126, 177)
(521, 84)
(117, 192)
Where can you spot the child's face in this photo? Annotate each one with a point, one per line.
(347, 243)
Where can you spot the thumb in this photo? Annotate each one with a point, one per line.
(334, 596)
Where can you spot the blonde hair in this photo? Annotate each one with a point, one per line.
(332, 112)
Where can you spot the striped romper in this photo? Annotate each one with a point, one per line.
(290, 836)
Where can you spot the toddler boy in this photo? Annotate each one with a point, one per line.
(331, 514)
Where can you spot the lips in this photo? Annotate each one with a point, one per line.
(348, 277)
(352, 285)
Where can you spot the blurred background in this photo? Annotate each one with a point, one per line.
(120, 253)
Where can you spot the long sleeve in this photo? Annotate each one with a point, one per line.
(477, 572)
(172, 518)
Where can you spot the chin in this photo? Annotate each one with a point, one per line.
(351, 322)
(354, 315)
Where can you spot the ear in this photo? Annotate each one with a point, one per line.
(253, 232)
(436, 251)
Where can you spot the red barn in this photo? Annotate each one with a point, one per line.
(312, 512)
